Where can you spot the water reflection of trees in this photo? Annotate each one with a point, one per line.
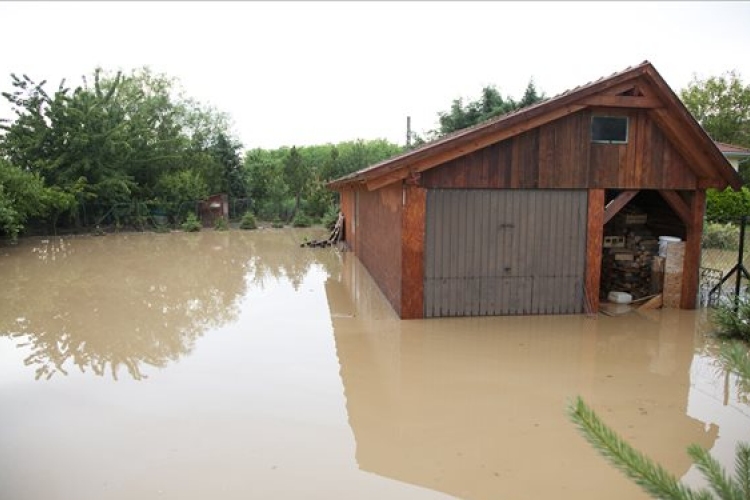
(121, 302)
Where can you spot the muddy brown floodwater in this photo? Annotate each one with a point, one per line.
(239, 365)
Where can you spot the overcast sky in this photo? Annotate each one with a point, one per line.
(309, 73)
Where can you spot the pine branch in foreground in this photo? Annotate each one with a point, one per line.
(725, 487)
(742, 469)
(650, 476)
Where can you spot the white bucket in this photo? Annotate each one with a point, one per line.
(620, 297)
(664, 241)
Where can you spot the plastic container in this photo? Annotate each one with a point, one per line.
(620, 297)
(664, 241)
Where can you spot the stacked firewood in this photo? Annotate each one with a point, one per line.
(626, 265)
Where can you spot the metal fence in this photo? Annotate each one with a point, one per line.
(725, 250)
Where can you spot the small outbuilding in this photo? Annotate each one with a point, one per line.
(508, 217)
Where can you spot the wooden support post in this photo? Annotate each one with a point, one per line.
(692, 262)
(412, 252)
(594, 236)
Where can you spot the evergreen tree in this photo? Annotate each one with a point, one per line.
(491, 104)
(296, 177)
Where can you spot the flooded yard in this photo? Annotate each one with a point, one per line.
(239, 365)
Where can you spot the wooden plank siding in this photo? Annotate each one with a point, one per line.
(378, 238)
(560, 155)
(347, 208)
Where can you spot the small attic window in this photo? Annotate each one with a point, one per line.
(609, 129)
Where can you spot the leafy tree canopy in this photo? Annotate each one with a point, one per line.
(721, 104)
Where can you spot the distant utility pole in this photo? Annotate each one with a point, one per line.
(408, 132)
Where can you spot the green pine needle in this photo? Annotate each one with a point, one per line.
(650, 476)
(742, 469)
(725, 488)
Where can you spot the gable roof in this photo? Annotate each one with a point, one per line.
(731, 150)
(665, 108)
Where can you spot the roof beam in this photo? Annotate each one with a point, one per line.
(622, 101)
(618, 204)
(676, 203)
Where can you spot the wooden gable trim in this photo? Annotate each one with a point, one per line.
(684, 131)
(618, 204)
(622, 101)
(479, 143)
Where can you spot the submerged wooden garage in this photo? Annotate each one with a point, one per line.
(507, 217)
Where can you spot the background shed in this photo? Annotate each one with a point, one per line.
(508, 217)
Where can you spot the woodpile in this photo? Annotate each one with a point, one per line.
(334, 237)
(628, 255)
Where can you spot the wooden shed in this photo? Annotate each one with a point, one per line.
(508, 217)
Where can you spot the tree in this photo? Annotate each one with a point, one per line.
(721, 104)
(296, 177)
(226, 152)
(118, 141)
(23, 196)
(491, 104)
(265, 181)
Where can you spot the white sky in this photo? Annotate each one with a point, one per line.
(309, 73)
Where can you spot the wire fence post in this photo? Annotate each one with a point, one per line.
(740, 258)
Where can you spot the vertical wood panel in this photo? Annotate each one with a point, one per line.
(595, 234)
(412, 253)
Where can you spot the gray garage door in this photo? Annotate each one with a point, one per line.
(498, 252)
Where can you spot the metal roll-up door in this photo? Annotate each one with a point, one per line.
(499, 252)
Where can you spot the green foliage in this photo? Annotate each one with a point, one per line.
(728, 204)
(125, 137)
(736, 358)
(301, 220)
(296, 176)
(191, 224)
(176, 188)
(23, 196)
(221, 224)
(725, 236)
(721, 104)
(653, 478)
(248, 221)
(269, 173)
(277, 224)
(330, 217)
(732, 318)
(491, 104)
